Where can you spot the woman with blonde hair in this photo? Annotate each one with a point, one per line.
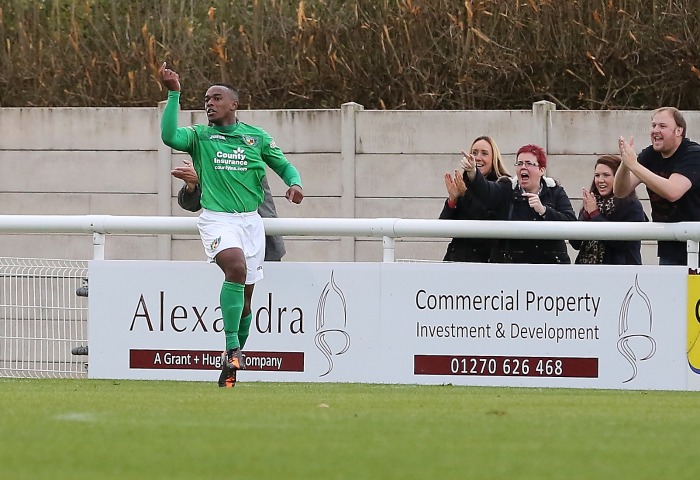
(461, 205)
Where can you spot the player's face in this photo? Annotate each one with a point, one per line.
(603, 179)
(483, 153)
(666, 135)
(219, 105)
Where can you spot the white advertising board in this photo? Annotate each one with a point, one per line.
(620, 327)
(161, 320)
(536, 325)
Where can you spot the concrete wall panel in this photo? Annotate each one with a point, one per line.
(78, 171)
(440, 131)
(79, 129)
(320, 175)
(596, 132)
(296, 131)
(399, 207)
(311, 207)
(16, 203)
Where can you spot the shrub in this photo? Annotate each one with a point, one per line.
(393, 54)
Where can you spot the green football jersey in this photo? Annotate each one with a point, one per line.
(229, 160)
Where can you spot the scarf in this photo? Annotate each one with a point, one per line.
(593, 251)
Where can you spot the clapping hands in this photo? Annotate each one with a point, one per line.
(627, 153)
(455, 185)
(589, 202)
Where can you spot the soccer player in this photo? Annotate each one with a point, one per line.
(190, 195)
(230, 158)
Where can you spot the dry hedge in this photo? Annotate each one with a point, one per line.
(393, 54)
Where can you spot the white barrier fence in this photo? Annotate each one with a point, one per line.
(621, 327)
(387, 228)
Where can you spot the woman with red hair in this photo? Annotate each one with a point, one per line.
(529, 196)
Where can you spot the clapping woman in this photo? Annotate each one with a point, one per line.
(600, 205)
(461, 204)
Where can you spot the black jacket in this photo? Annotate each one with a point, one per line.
(506, 197)
(619, 252)
(469, 208)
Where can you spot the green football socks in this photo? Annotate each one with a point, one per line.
(232, 300)
(244, 329)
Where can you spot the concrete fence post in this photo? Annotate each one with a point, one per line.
(348, 142)
(164, 191)
(541, 123)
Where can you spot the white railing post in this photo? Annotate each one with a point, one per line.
(388, 244)
(692, 248)
(98, 246)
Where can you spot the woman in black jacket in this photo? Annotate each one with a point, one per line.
(461, 204)
(600, 205)
(529, 196)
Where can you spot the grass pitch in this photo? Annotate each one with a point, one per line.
(98, 429)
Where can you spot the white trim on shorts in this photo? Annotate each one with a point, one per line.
(222, 230)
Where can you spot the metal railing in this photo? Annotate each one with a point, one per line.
(389, 229)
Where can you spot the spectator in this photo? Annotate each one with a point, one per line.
(189, 199)
(670, 169)
(461, 204)
(600, 205)
(529, 196)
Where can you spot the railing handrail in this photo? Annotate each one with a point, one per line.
(360, 227)
(388, 228)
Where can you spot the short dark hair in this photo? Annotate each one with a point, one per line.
(230, 87)
(677, 116)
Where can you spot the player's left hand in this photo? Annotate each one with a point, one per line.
(295, 194)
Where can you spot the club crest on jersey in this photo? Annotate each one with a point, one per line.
(215, 243)
(250, 141)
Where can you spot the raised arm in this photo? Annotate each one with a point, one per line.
(631, 173)
(625, 181)
(172, 136)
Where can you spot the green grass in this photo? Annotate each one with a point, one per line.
(96, 429)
